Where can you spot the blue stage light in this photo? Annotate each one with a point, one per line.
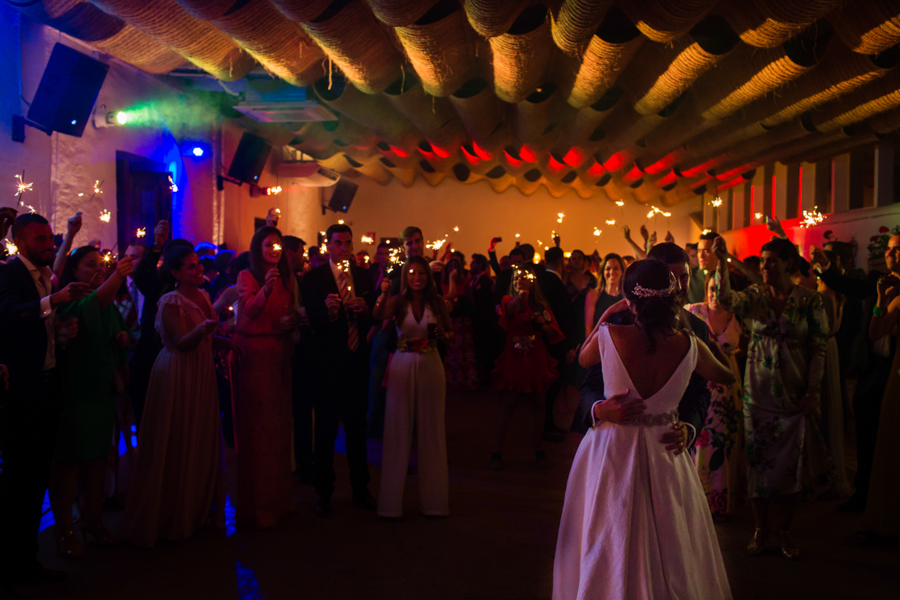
(194, 148)
(197, 151)
(73, 122)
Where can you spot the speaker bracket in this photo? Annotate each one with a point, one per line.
(18, 128)
(221, 179)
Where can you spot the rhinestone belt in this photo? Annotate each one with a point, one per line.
(667, 418)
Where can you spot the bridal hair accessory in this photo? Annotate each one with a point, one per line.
(642, 292)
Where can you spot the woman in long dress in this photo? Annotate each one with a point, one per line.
(597, 301)
(416, 392)
(882, 517)
(87, 367)
(179, 473)
(635, 523)
(525, 367)
(719, 446)
(460, 366)
(785, 363)
(266, 319)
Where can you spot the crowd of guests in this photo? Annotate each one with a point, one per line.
(196, 349)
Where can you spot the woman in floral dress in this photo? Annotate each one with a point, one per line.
(785, 362)
(719, 445)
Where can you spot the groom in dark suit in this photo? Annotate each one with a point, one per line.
(339, 297)
(28, 413)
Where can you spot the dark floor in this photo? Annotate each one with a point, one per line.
(498, 543)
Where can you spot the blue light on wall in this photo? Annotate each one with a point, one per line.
(195, 148)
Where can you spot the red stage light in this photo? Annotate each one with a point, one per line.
(596, 169)
(399, 152)
(441, 152)
(555, 165)
(481, 152)
(527, 154)
(615, 162)
(514, 162)
(469, 157)
(671, 177)
(575, 157)
(662, 164)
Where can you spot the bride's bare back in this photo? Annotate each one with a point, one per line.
(649, 372)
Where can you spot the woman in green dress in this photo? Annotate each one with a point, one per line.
(87, 366)
(788, 331)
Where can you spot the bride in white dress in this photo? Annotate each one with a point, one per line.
(636, 522)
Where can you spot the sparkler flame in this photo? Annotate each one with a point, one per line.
(141, 232)
(517, 235)
(436, 245)
(274, 191)
(456, 229)
(98, 183)
(105, 216)
(341, 222)
(620, 203)
(812, 218)
(276, 247)
(22, 187)
(705, 231)
(367, 240)
(11, 248)
(758, 216)
(172, 186)
(561, 217)
(610, 221)
(597, 231)
(716, 202)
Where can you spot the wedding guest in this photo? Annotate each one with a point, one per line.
(338, 298)
(832, 405)
(578, 275)
(266, 319)
(179, 473)
(877, 356)
(416, 392)
(87, 368)
(525, 367)
(221, 281)
(503, 276)
(459, 365)
(597, 302)
(484, 316)
(719, 446)
(785, 362)
(554, 290)
(29, 423)
(131, 302)
(635, 522)
(881, 516)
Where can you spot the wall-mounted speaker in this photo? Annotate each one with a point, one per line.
(250, 158)
(343, 196)
(67, 92)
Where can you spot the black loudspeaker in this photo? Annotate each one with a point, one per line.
(65, 97)
(343, 196)
(250, 158)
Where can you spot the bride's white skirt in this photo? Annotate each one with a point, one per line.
(635, 523)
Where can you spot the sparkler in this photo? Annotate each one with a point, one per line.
(274, 191)
(561, 217)
(394, 260)
(28, 206)
(97, 184)
(716, 202)
(141, 232)
(22, 187)
(517, 235)
(812, 218)
(597, 231)
(276, 247)
(620, 203)
(456, 229)
(705, 231)
(172, 186)
(610, 221)
(367, 240)
(11, 248)
(758, 216)
(436, 245)
(105, 216)
(341, 222)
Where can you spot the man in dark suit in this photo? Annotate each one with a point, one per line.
(339, 297)
(873, 379)
(484, 316)
(694, 403)
(28, 416)
(503, 278)
(554, 290)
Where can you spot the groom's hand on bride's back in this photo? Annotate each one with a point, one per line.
(620, 306)
(616, 409)
(677, 439)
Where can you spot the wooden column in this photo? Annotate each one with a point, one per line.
(884, 173)
(740, 211)
(814, 186)
(787, 190)
(762, 190)
(840, 184)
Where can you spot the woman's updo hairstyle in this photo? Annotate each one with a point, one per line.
(72, 261)
(173, 261)
(647, 284)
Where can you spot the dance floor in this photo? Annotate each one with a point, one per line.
(497, 545)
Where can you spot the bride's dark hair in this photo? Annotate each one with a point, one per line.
(655, 307)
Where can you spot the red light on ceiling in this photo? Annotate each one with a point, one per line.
(527, 154)
(666, 162)
(615, 162)
(670, 178)
(399, 152)
(469, 157)
(481, 152)
(634, 174)
(736, 181)
(426, 153)
(731, 174)
(699, 168)
(441, 152)
(555, 165)
(514, 162)
(596, 169)
(574, 157)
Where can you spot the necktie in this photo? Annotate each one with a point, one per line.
(352, 327)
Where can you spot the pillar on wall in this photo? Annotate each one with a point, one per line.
(740, 206)
(884, 173)
(786, 191)
(726, 214)
(708, 211)
(814, 186)
(840, 183)
(858, 169)
(761, 193)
